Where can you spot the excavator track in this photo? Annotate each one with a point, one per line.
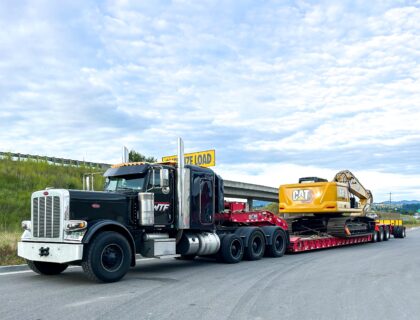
(346, 227)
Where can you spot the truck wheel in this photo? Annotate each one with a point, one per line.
(107, 257)
(375, 236)
(232, 249)
(46, 268)
(380, 234)
(387, 234)
(403, 233)
(279, 244)
(256, 246)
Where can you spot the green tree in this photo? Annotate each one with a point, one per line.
(135, 156)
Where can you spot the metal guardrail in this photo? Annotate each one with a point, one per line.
(233, 189)
(61, 161)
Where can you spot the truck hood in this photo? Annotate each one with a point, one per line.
(93, 205)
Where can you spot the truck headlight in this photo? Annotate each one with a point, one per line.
(27, 225)
(74, 230)
(74, 225)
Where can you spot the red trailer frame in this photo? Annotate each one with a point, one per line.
(235, 215)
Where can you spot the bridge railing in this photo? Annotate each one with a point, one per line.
(54, 160)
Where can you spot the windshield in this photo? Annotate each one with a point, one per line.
(131, 182)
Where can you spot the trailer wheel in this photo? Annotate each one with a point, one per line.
(375, 236)
(387, 234)
(46, 268)
(256, 246)
(396, 232)
(380, 234)
(232, 249)
(107, 258)
(279, 244)
(399, 232)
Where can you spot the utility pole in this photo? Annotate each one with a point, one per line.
(390, 201)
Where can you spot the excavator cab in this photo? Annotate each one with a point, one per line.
(312, 179)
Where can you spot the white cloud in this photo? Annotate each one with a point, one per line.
(331, 84)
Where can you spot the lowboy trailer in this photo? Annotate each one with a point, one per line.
(383, 229)
(156, 210)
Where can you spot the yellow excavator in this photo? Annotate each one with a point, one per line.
(338, 208)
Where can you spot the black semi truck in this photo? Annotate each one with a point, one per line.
(156, 210)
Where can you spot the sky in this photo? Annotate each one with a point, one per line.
(280, 89)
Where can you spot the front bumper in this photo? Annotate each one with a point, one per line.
(57, 252)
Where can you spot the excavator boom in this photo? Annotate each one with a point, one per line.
(355, 188)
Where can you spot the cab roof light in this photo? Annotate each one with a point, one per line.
(129, 164)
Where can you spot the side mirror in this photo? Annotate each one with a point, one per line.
(164, 178)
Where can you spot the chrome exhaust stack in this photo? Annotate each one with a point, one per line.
(183, 189)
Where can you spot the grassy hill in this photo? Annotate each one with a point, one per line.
(18, 179)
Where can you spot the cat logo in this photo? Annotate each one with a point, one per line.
(302, 195)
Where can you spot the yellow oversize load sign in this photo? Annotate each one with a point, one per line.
(202, 158)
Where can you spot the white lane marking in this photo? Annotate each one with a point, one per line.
(71, 267)
(412, 229)
(25, 271)
(12, 265)
(14, 272)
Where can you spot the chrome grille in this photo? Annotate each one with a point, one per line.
(46, 217)
(56, 217)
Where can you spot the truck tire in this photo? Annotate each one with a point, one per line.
(387, 234)
(403, 232)
(396, 232)
(256, 246)
(107, 258)
(46, 268)
(279, 244)
(380, 234)
(231, 249)
(375, 236)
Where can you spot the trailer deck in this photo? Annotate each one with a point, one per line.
(309, 243)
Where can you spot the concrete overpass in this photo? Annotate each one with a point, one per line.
(249, 191)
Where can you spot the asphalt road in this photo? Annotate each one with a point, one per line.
(369, 281)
